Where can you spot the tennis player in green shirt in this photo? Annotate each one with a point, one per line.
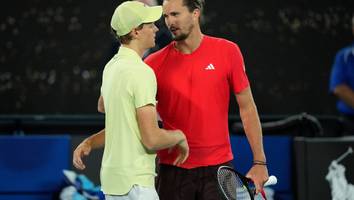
(128, 94)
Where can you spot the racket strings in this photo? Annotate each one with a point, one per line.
(232, 185)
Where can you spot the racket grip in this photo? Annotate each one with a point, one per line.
(272, 180)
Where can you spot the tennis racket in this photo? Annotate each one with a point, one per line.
(235, 186)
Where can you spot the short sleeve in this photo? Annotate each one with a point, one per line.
(144, 88)
(338, 75)
(237, 72)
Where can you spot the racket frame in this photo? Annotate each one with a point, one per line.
(245, 181)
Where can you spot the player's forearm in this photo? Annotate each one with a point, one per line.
(253, 130)
(161, 139)
(96, 140)
(345, 93)
(152, 136)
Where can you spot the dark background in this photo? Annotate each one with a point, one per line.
(52, 53)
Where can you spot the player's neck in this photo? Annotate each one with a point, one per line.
(136, 47)
(190, 44)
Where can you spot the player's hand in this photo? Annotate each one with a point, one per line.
(82, 150)
(259, 175)
(183, 151)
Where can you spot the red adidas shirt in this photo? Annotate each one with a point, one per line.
(193, 96)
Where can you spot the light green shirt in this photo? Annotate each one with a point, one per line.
(127, 83)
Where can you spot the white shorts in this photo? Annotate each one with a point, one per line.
(136, 193)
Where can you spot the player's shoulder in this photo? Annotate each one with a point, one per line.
(221, 42)
(141, 72)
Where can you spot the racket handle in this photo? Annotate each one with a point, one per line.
(272, 180)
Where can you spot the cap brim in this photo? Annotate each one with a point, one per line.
(153, 14)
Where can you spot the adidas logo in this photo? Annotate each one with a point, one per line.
(210, 67)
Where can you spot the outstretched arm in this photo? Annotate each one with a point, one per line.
(84, 148)
(93, 142)
(252, 127)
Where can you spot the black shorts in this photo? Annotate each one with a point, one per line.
(175, 183)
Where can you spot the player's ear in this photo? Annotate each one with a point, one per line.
(196, 14)
(134, 33)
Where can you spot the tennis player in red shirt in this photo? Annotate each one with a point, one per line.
(195, 74)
